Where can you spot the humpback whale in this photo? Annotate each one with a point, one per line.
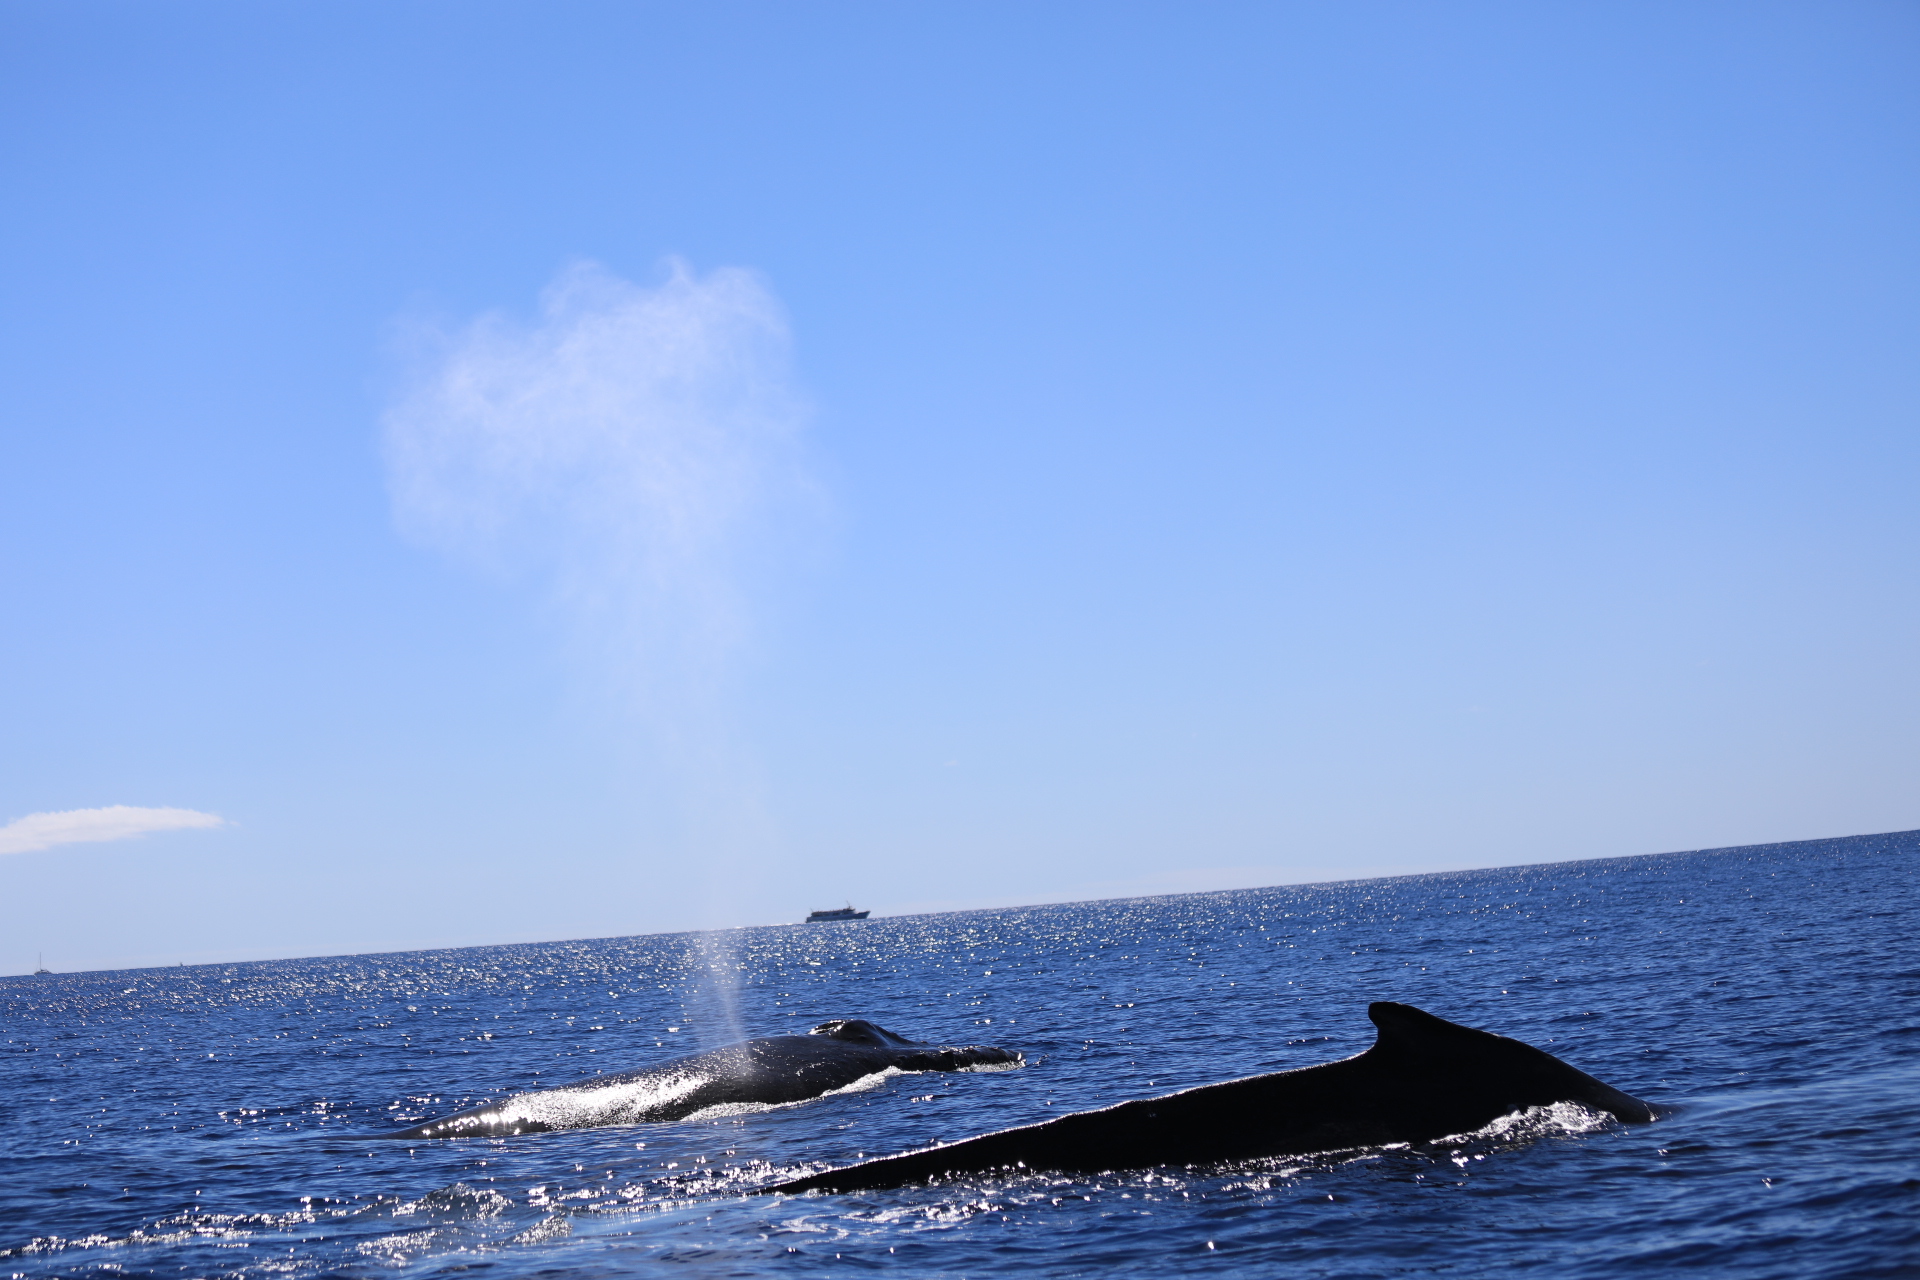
(768, 1070)
(1424, 1078)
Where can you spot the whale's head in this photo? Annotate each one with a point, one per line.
(860, 1031)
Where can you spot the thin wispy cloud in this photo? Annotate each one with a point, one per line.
(80, 826)
(634, 447)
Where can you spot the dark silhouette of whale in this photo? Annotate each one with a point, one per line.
(770, 1070)
(1424, 1078)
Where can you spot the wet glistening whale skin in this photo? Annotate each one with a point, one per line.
(1424, 1078)
(769, 1070)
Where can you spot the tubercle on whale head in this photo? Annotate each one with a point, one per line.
(950, 1057)
(860, 1031)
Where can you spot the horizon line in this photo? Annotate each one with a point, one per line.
(959, 911)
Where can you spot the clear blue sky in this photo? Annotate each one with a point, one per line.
(1218, 444)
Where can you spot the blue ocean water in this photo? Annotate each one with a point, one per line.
(215, 1121)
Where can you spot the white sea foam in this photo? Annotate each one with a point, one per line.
(1552, 1120)
(552, 1228)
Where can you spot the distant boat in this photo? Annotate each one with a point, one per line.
(838, 913)
(43, 971)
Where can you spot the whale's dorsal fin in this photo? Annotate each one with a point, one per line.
(1405, 1028)
(1414, 1033)
(1407, 1033)
(860, 1031)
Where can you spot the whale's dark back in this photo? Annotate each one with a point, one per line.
(1424, 1078)
(768, 1071)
